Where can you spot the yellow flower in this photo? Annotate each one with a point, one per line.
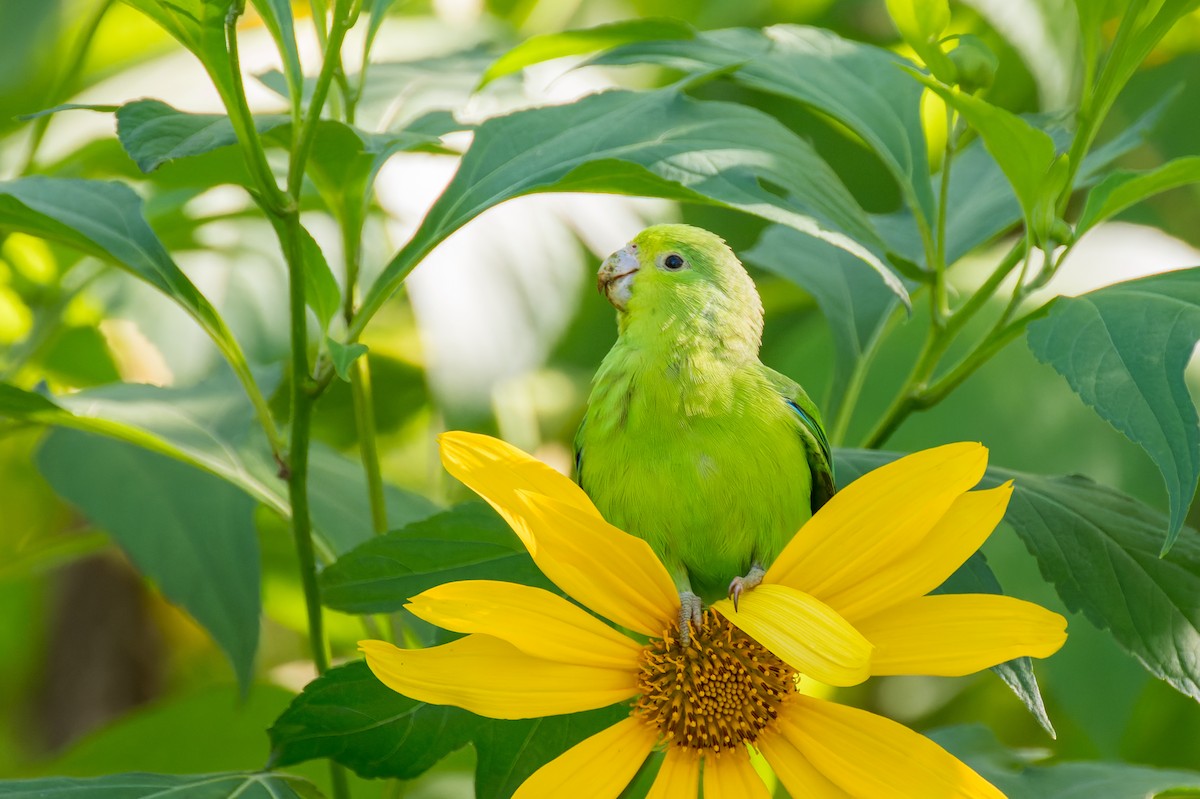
(845, 600)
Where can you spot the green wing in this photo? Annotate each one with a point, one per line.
(808, 417)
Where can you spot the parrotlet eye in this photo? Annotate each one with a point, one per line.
(673, 262)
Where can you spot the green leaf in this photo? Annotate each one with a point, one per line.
(154, 133)
(1123, 188)
(1012, 773)
(104, 219)
(344, 356)
(1123, 349)
(211, 426)
(707, 152)
(350, 716)
(1100, 549)
(200, 730)
(510, 751)
(322, 294)
(154, 786)
(199, 25)
(976, 577)
(105, 109)
(191, 533)
(277, 16)
(857, 84)
(852, 298)
(921, 23)
(1024, 153)
(545, 47)
(467, 542)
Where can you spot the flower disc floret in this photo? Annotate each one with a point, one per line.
(717, 693)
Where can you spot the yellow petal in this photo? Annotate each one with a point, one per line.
(495, 469)
(802, 631)
(678, 777)
(599, 767)
(949, 635)
(606, 569)
(731, 776)
(492, 678)
(799, 776)
(869, 755)
(922, 567)
(884, 511)
(533, 620)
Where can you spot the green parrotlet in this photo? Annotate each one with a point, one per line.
(689, 441)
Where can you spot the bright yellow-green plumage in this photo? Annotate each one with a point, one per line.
(689, 441)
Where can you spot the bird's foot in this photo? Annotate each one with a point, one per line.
(691, 611)
(741, 585)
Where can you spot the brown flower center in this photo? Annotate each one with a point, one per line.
(719, 692)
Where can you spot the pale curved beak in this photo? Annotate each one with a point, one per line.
(615, 278)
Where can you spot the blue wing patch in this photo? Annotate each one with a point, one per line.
(812, 426)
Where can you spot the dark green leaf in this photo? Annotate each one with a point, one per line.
(537, 49)
(344, 356)
(1011, 772)
(18, 403)
(1100, 549)
(1122, 188)
(856, 84)
(1123, 349)
(155, 786)
(510, 751)
(322, 294)
(154, 133)
(679, 149)
(467, 542)
(351, 717)
(854, 301)
(191, 533)
(976, 577)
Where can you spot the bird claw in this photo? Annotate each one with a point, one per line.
(691, 611)
(741, 585)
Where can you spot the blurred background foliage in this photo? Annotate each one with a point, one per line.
(499, 330)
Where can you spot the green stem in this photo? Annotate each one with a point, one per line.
(364, 415)
(939, 306)
(65, 80)
(303, 142)
(986, 291)
(844, 412)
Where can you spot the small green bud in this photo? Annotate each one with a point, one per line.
(974, 62)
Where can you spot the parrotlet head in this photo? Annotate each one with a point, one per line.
(682, 278)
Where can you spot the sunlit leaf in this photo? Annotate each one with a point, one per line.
(921, 23)
(1100, 549)
(468, 542)
(858, 85)
(1024, 153)
(155, 786)
(199, 25)
(188, 531)
(537, 49)
(1123, 349)
(706, 152)
(1123, 189)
